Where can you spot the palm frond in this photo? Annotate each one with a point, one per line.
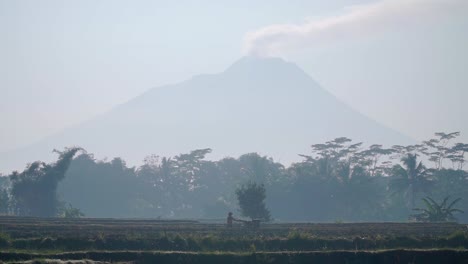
(435, 212)
(444, 201)
(453, 203)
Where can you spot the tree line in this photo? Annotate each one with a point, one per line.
(340, 180)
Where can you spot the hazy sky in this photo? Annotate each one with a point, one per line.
(402, 62)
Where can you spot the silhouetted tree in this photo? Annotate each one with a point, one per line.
(4, 202)
(260, 169)
(102, 188)
(437, 212)
(456, 154)
(328, 155)
(35, 189)
(437, 149)
(5, 197)
(371, 159)
(68, 211)
(251, 198)
(410, 179)
(340, 180)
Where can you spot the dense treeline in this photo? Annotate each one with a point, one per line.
(339, 181)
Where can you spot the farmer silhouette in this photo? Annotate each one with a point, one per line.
(230, 219)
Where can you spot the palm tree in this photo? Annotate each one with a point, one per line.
(410, 179)
(435, 212)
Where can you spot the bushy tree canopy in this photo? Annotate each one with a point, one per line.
(339, 180)
(35, 189)
(251, 197)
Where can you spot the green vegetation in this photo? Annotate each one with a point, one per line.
(410, 179)
(34, 191)
(145, 241)
(71, 212)
(115, 234)
(437, 212)
(251, 197)
(338, 180)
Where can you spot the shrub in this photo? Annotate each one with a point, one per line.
(5, 240)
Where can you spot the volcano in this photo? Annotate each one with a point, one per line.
(264, 105)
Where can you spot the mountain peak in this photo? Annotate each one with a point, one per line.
(267, 105)
(261, 64)
(245, 60)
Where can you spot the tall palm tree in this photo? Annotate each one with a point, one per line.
(411, 178)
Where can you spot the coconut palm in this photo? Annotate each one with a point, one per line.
(435, 212)
(410, 179)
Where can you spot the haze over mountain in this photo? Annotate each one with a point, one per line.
(264, 105)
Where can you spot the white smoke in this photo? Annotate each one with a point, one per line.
(356, 21)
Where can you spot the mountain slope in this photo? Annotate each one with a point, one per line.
(257, 105)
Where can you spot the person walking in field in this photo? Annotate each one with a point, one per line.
(230, 219)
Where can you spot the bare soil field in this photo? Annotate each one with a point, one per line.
(86, 240)
(28, 226)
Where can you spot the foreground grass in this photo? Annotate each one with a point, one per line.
(41, 240)
(224, 242)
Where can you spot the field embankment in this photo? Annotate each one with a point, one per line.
(165, 241)
(382, 257)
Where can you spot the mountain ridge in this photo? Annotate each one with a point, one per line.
(264, 105)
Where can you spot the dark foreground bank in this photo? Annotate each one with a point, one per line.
(383, 257)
